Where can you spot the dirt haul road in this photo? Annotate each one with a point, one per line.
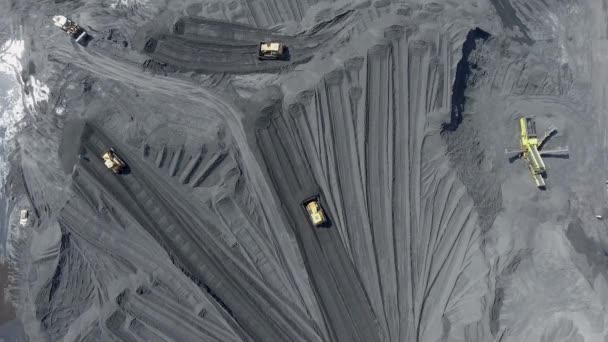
(395, 113)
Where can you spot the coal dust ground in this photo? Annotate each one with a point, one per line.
(395, 113)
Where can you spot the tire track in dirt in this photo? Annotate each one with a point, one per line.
(212, 46)
(401, 195)
(423, 232)
(129, 73)
(144, 332)
(150, 262)
(348, 193)
(327, 154)
(379, 119)
(145, 304)
(115, 325)
(257, 252)
(204, 256)
(342, 301)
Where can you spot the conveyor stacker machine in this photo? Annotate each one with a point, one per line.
(531, 149)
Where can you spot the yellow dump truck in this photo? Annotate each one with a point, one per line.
(315, 211)
(113, 161)
(271, 50)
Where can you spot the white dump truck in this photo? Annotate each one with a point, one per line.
(271, 50)
(113, 161)
(70, 27)
(23, 217)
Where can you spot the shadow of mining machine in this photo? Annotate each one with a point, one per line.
(531, 150)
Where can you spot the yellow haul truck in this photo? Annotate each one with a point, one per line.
(113, 162)
(315, 211)
(271, 50)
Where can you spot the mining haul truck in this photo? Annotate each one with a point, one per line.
(113, 161)
(23, 217)
(71, 28)
(315, 211)
(273, 50)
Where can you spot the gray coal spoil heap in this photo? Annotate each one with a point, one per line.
(395, 113)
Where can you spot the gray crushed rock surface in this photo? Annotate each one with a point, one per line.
(395, 113)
